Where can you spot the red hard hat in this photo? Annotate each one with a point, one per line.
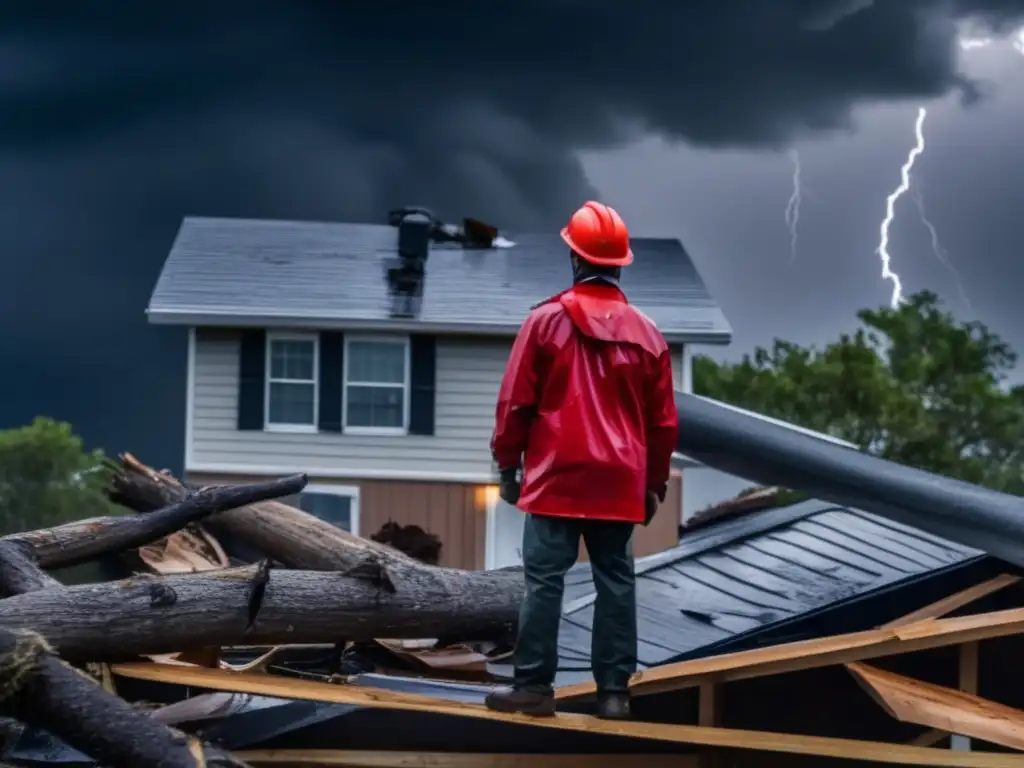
(598, 234)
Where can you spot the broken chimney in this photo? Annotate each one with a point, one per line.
(406, 277)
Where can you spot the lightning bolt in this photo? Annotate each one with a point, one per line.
(793, 206)
(1018, 41)
(890, 211)
(940, 252)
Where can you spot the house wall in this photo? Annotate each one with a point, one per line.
(456, 513)
(469, 372)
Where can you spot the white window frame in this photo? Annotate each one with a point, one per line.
(406, 385)
(270, 426)
(351, 491)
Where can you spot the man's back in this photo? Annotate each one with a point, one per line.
(588, 399)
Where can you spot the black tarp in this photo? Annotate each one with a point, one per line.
(747, 446)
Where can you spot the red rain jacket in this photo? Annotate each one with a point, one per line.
(587, 400)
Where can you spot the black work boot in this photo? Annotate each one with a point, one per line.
(525, 701)
(613, 706)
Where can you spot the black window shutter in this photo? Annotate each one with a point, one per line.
(332, 366)
(423, 376)
(252, 373)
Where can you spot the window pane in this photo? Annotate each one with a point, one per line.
(376, 362)
(329, 507)
(291, 403)
(374, 406)
(291, 360)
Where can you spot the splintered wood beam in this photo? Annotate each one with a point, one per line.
(914, 701)
(956, 601)
(390, 759)
(820, 746)
(821, 652)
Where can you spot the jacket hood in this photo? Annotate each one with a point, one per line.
(601, 311)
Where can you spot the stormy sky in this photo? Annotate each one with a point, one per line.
(117, 118)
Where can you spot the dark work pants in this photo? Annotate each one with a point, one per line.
(550, 548)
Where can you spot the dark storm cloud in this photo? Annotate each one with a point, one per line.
(118, 118)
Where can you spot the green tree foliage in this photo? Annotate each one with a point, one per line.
(913, 385)
(47, 478)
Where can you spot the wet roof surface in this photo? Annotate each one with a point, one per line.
(751, 573)
(336, 271)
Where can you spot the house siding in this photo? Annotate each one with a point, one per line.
(454, 512)
(469, 371)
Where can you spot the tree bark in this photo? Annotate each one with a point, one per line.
(19, 573)
(256, 605)
(288, 535)
(41, 690)
(85, 540)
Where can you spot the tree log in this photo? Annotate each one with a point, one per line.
(41, 690)
(86, 540)
(19, 572)
(147, 615)
(288, 535)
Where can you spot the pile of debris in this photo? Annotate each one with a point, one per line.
(316, 586)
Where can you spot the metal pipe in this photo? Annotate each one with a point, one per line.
(742, 444)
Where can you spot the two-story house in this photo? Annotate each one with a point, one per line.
(369, 357)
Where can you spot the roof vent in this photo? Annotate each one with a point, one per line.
(406, 276)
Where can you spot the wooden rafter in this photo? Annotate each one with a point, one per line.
(914, 701)
(308, 690)
(822, 652)
(956, 601)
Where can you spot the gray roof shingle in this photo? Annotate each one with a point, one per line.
(749, 574)
(253, 272)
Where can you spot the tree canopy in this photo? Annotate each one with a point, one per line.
(913, 384)
(48, 478)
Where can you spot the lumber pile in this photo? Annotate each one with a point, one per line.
(316, 585)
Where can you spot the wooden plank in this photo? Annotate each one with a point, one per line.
(310, 690)
(929, 738)
(956, 601)
(821, 652)
(914, 701)
(708, 713)
(389, 759)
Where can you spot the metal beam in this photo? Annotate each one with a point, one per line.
(769, 453)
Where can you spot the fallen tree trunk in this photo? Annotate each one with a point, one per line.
(19, 573)
(85, 540)
(286, 534)
(39, 689)
(256, 605)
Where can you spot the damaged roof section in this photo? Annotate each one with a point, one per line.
(252, 272)
(743, 576)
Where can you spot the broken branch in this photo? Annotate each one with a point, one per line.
(86, 540)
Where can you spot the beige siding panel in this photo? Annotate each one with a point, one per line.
(469, 372)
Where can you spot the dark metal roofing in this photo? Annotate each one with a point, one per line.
(743, 445)
(750, 574)
(248, 272)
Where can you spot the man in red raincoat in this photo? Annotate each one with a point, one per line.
(585, 428)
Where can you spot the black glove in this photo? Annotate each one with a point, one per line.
(509, 486)
(650, 507)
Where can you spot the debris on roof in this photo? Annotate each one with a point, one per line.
(250, 659)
